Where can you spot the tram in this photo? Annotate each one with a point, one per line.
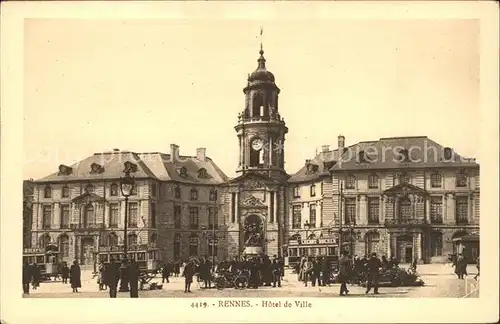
(47, 260)
(324, 247)
(147, 257)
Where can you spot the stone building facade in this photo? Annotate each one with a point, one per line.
(383, 196)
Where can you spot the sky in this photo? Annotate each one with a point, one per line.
(140, 85)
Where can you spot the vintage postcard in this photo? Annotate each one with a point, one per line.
(276, 162)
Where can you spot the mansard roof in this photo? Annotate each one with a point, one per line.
(158, 166)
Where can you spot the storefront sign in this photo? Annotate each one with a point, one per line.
(32, 251)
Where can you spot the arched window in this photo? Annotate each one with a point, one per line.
(258, 105)
(350, 182)
(213, 194)
(436, 244)
(311, 237)
(113, 189)
(132, 240)
(436, 180)
(404, 178)
(89, 188)
(89, 215)
(194, 194)
(112, 239)
(405, 208)
(47, 192)
(295, 237)
(193, 245)
(371, 242)
(177, 192)
(154, 239)
(44, 241)
(177, 246)
(63, 244)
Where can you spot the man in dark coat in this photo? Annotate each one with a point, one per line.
(188, 273)
(316, 271)
(75, 275)
(372, 267)
(165, 273)
(133, 275)
(65, 273)
(325, 271)
(276, 270)
(27, 276)
(205, 272)
(36, 276)
(112, 276)
(344, 271)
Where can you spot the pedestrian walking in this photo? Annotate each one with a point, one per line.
(100, 278)
(325, 272)
(373, 267)
(306, 271)
(276, 270)
(112, 276)
(65, 273)
(36, 276)
(27, 277)
(461, 266)
(344, 271)
(134, 274)
(75, 275)
(188, 273)
(165, 273)
(316, 272)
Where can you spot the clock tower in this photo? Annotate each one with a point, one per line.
(256, 216)
(261, 130)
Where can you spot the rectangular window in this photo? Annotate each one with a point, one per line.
(135, 190)
(271, 203)
(46, 216)
(65, 216)
(297, 216)
(436, 210)
(233, 207)
(153, 215)
(113, 215)
(296, 192)
(212, 248)
(350, 182)
(65, 192)
(177, 216)
(436, 180)
(373, 181)
(153, 189)
(350, 210)
(373, 210)
(213, 216)
(312, 215)
(132, 214)
(436, 244)
(313, 191)
(462, 210)
(193, 217)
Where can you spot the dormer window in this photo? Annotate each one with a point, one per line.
(96, 168)
(64, 170)
(89, 188)
(194, 194)
(203, 174)
(213, 194)
(129, 167)
(47, 192)
(447, 154)
(312, 168)
(403, 156)
(183, 172)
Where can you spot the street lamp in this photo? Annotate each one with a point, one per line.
(211, 235)
(308, 226)
(127, 187)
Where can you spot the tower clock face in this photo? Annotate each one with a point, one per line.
(257, 144)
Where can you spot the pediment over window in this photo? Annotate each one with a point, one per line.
(87, 198)
(182, 172)
(203, 174)
(65, 170)
(404, 189)
(129, 167)
(328, 165)
(96, 168)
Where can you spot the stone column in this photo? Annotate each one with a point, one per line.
(470, 210)
(381, 214)
(268, 197)
(389, 252)
(419, 246)
(56, 220)
(237, 209)
(428, 210)
(363, 215)
(105, 213)
(473, 203)
(240, 155)
(270, 153)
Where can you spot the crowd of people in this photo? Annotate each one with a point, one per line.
(32, 274)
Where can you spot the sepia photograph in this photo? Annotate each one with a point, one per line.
(223, 160)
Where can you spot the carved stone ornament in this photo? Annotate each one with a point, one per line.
(252, 201)
(254, 184)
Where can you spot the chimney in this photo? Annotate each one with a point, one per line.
(308, 162)
(341, 143)
(325, 148)
(116, 150)
(201, 153)
(174, 152)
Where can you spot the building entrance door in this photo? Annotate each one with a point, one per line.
(87, 256)
(405, 249)
(408, 254)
